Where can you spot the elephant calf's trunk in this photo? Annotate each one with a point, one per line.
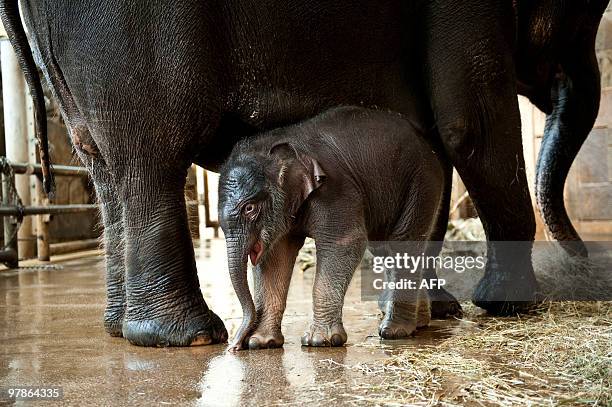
(238, 275)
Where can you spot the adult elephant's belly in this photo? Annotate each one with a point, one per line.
(265, 107)
(299, 64)
(371, 85)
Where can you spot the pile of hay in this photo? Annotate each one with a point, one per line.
(562, 354)
(469, 229)
(307, 257)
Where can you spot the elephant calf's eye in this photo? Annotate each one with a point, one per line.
(249, 209)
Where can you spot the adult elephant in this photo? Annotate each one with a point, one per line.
(149, 87)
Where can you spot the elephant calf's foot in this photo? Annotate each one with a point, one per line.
(203, 328)
(325, 335)
(263, 339)
(400, 320)
(444, 305)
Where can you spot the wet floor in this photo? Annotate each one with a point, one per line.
(51, 334)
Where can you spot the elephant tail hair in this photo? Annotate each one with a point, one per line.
(575, 91)
(9, 13)
(565, 277)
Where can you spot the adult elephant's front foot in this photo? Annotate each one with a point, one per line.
(165, 306)
(198, 326)
(509, 286)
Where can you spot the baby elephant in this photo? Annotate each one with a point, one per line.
(345, 177)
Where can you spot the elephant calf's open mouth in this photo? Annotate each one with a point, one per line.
(256, 252)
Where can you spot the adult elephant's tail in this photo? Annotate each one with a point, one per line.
(575, 93)
(9, 13)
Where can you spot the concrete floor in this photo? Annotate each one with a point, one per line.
(52, 335)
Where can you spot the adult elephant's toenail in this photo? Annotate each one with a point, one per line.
(320, 340)
(201, 339)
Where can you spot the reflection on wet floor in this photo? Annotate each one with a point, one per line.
(52, 335)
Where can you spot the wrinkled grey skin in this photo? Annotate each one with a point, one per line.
(149, 87)
(323, 179)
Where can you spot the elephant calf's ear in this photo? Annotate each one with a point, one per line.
(299, 176)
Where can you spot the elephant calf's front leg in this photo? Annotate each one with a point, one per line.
(272, 278)
(336, 264)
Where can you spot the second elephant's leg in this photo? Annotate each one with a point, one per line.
(473, 93)
(165, 306)
(272, 279)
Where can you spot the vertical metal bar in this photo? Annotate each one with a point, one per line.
(10, 226)
(35, 198)
(16, 135)
(42, 225)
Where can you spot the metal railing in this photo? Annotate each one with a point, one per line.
(13, 212)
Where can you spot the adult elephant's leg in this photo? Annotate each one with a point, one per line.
(165, 306)
(473, 94)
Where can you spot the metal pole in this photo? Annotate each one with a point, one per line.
(74, 246)
(58, 170)
(40, 227)
(10, 227)
(16, 136)
(42, 224)
(49, 209)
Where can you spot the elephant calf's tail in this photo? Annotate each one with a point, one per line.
(9, 13)
(575, 94)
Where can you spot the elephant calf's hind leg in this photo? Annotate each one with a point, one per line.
(336, 264)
